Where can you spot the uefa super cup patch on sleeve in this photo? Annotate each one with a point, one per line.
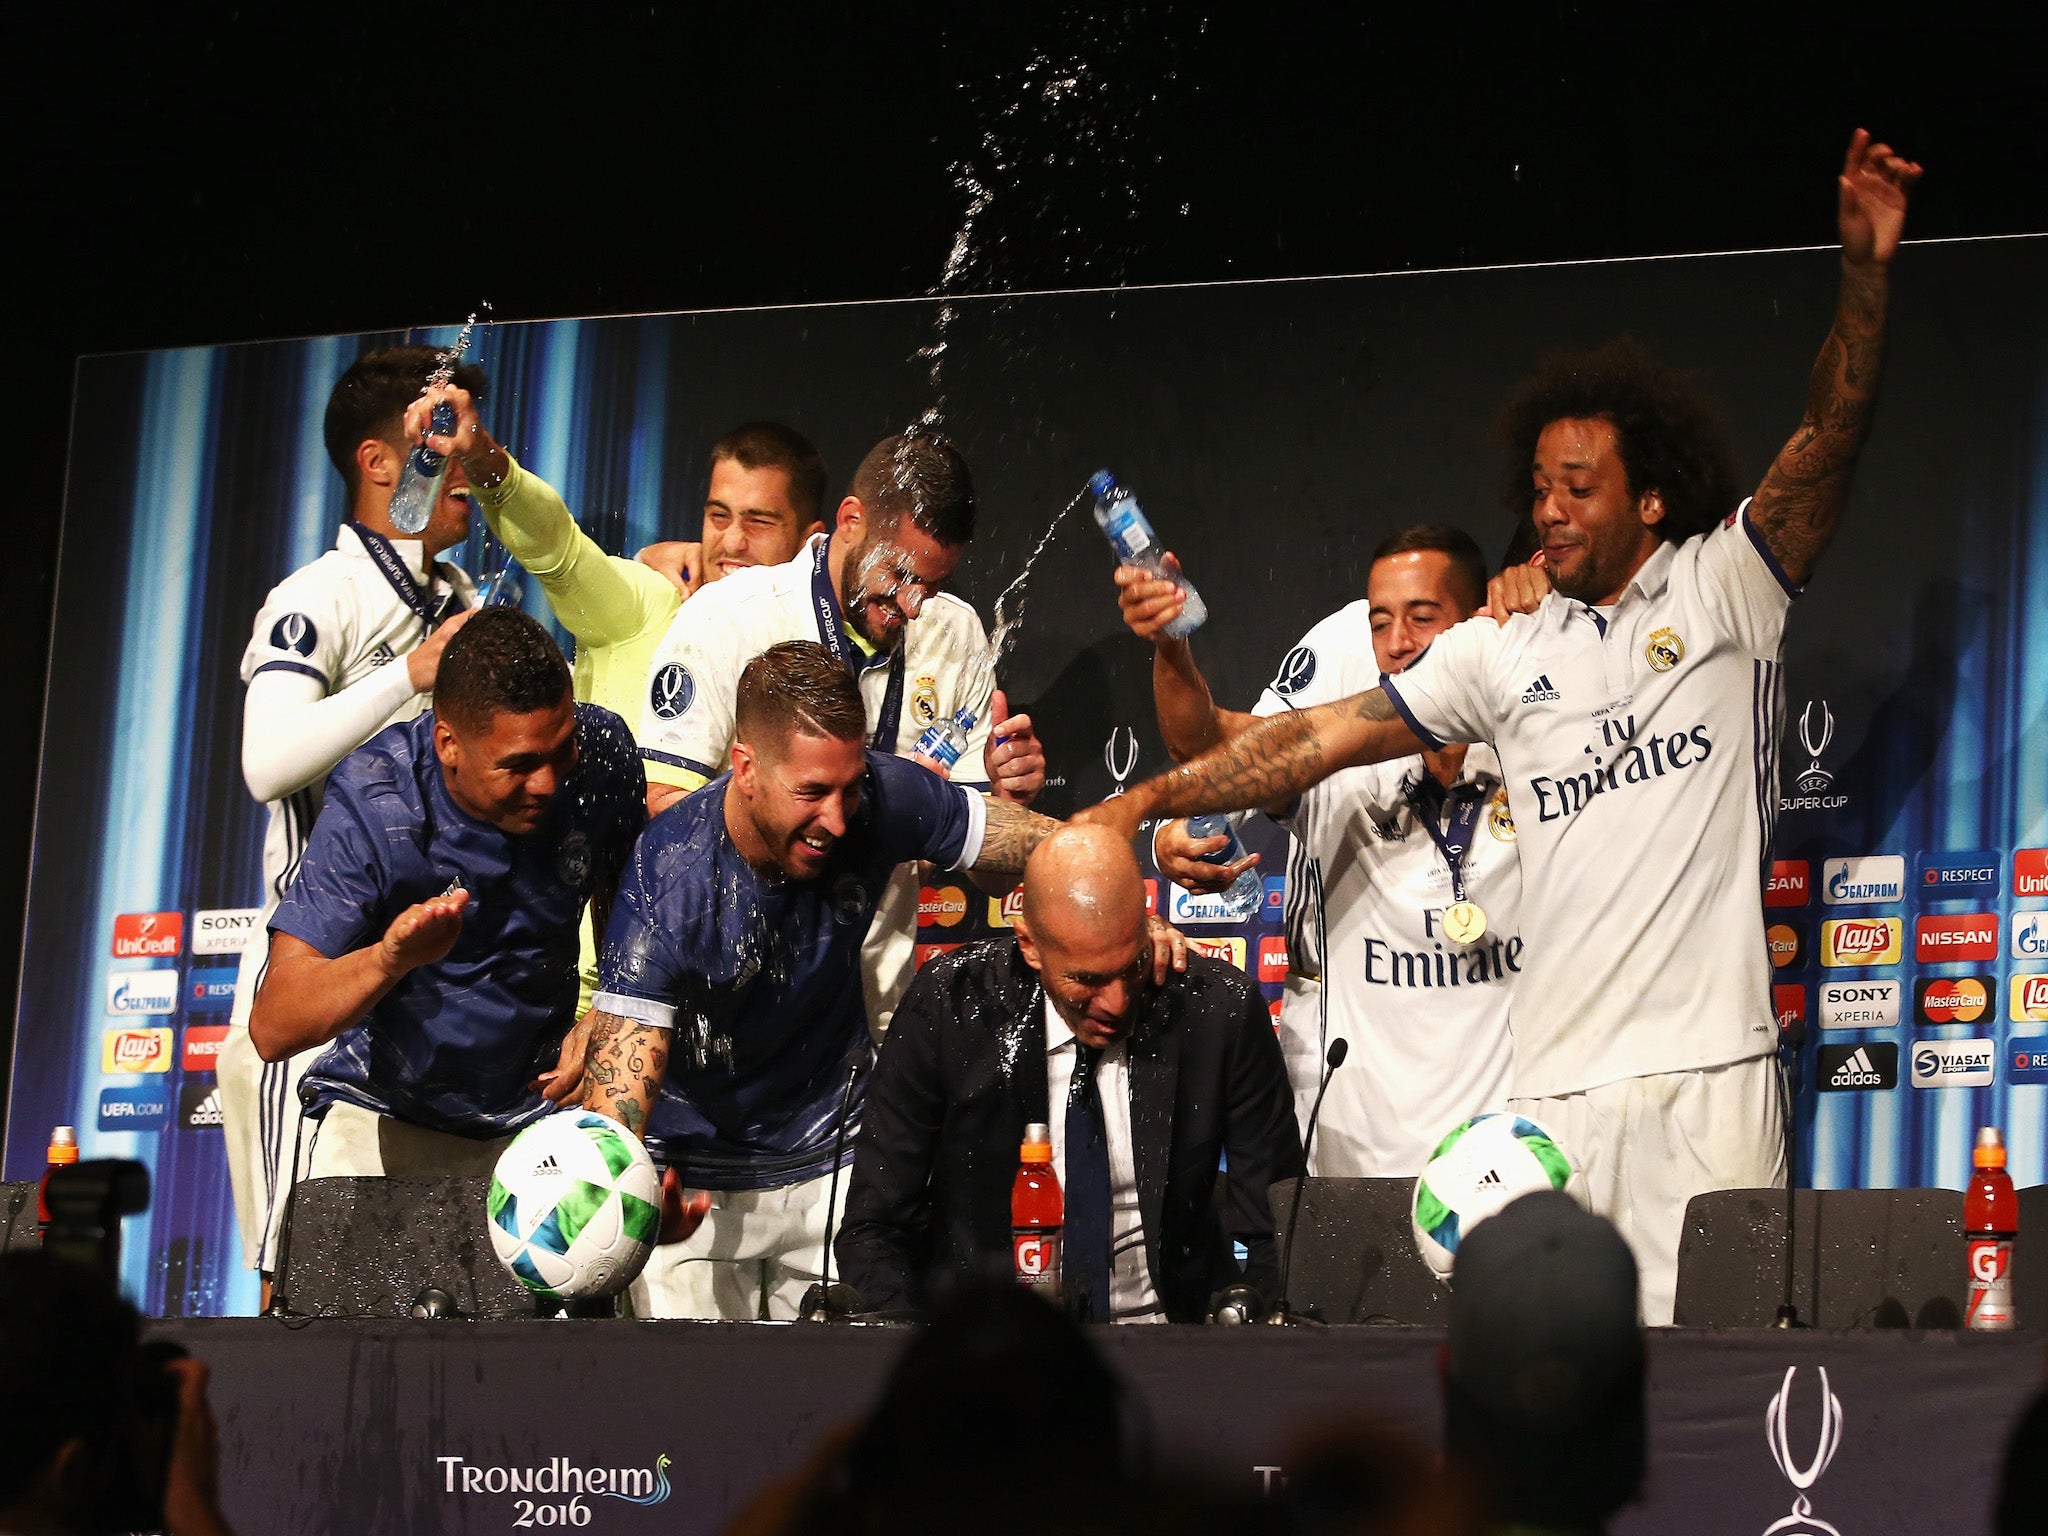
(672, 691)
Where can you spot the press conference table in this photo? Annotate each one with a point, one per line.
(372, 1426)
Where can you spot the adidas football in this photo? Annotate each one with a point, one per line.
(1481, 1167)
(574, 1207)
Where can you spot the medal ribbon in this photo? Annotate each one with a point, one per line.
(832, 635)
(1465, 802)
(430, 608)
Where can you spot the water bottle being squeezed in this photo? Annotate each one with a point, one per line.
(1247, 892)
(1131, 536)
(420, 482)
(943, 741)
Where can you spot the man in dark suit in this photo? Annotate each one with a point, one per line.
(1146, 1085)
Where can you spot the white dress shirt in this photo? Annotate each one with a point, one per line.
(1131, 1296)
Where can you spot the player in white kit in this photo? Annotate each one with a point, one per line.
(1636, 715)
(870, 594)
(340, 649)
(1371, 869)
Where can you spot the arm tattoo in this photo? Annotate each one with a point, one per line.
(1010, 835)
(1283, 755)
(623, 1069)
(1800, 503)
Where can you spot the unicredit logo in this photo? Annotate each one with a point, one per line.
(2030, 872)
(139, 935)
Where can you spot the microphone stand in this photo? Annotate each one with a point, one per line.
(1788, 1080)
(1339, 1049)
(825, 1301)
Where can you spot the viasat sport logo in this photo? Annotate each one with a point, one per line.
(1861, 941)
(1952, 1064)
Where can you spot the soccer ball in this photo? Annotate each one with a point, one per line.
(1483, 1166)
(574, 1207)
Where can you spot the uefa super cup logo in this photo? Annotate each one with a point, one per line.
(1120, 757)
(1778, 1433)
(1814, 735)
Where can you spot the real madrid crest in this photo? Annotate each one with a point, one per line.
(1499, 820)
(1664, 650)
(924, 699)
(572, 863)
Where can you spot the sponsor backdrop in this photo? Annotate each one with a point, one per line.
(1275, 433)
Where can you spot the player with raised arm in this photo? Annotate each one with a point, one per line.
(1636, 715)
(340, 649)
(1381, 859)
(872, 593)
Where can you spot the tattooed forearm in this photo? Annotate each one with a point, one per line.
(1281, 756)
(623, 1072)
(1800, 503)
(1012, 832)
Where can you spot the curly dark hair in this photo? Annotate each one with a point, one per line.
(1672, 438)
(500, 662)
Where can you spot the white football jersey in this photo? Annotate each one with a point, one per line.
(1640, 748)
(1427, 1019)
(339, 620)
(686, 726)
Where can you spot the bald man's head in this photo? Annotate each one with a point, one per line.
(1083, 930)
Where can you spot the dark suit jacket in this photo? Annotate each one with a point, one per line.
(963, 1071)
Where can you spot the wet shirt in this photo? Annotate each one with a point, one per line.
(758, 976)
(1640, 749)
(686, 726)
(454, 1045)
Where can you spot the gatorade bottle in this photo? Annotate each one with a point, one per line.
(62, 1154)
(1038, 1215)
(1991, 1217)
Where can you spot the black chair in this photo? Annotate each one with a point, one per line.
(1355, 1259)
(374, 1247)
(1862, 1258)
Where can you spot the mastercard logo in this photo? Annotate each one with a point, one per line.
(1953, 999)
(1784, 941)
(942, 906)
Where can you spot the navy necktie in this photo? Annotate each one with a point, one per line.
(1086, 1257)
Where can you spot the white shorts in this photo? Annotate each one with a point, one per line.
(259, 1116)
(756, 1254)
(350, 1142)
(1647, 1145)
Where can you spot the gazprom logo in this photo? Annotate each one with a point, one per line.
(1854, 882)
(2030, 936)
(133, 992)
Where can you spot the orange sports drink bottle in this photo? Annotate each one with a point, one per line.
(62, 1154)
(1991, 1218)
(1038, 1215)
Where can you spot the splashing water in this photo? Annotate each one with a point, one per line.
(1008, 620)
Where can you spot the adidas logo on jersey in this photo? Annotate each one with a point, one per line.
(383, 655)
(1540, 692)
(1857, 1072)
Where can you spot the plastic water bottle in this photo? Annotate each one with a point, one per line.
(1991, 1218)
(944, 740)
(1038, 1215)
(1131, 536)
(1247, 892)
(419, 483)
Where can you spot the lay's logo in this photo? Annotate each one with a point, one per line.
(2030, 999)
(135, 1050)
(1003, 910)
(1230, 951)
(1861, 941)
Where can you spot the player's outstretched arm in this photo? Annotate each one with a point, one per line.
(1270, 764)
(1008, 838)
(1190, 723)
(1800, 503)
(307, 999)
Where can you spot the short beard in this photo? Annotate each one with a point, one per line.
(859, 568)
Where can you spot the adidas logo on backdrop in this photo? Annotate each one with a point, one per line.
(1540, 692)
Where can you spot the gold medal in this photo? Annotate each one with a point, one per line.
(1464, 922)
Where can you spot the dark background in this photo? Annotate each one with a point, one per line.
(226, 174)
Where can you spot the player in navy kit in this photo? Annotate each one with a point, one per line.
(730, 985)
(431, 932)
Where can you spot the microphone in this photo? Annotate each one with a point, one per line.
(1791, 1036)
(1339, 1049)
(824, 1300)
